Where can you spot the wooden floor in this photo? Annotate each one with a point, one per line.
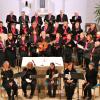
(43, 96)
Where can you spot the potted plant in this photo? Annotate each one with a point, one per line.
(97, 13)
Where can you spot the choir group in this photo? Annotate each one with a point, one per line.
(51, 36)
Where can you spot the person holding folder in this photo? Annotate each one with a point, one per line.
(8, 82)
(51, 78)
(29, 78)
(90, 81)
(70, 83)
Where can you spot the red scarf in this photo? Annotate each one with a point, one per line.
(65, 30)
(1, 30)
(24, 30)
(13, 30)
(55, 30)
(35, 38)
(36, 19)
(57, 39)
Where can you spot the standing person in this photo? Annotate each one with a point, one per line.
(8, 82)
(27, 79)
(95, 55)
(89, 45)
(44, 48)
(38, 19)
(10, 18)
(57, 46)
(50, 18)
(11, 50)
(23, 48)
(51, 80)
(23, 19)
(92, 30)
(14, 31)
(68, 45)
(3, 29)
(80, 51)
(33, 42)
(75, 18)
(76, 31)
(61, 17)
(70, 83)
(91, 80)
(2, 52)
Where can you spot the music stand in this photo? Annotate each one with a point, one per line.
(77, 76)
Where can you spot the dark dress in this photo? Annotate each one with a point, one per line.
(7, 77)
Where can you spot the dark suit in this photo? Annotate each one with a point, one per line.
(11, 19)
(50, 20)
(64, 18)
(24, 20)
(39, 19)
(74, 20)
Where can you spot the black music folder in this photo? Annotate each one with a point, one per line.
(77, 75)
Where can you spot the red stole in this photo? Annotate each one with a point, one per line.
(65, 30)
(55, 30)
(57, 40)
(45, 28)
(13, 30)
(24, 30)
(1, 30)
(36, 19)
(35, 38)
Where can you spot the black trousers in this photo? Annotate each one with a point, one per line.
(87, 61)
(80, 58)
(87, 89)
(52, 89)
(69, 90)
(25, 84)
(11, 90)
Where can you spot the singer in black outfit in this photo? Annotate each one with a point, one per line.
(28, 79)
(70, 83)
(51, 80)
(8, 82)
(91, 80)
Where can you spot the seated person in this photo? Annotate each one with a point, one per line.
(27, 79)
(8, 81)
(51, 78)
(70, 83)
(91, 80)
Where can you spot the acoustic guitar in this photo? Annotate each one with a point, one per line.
(42, 46)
